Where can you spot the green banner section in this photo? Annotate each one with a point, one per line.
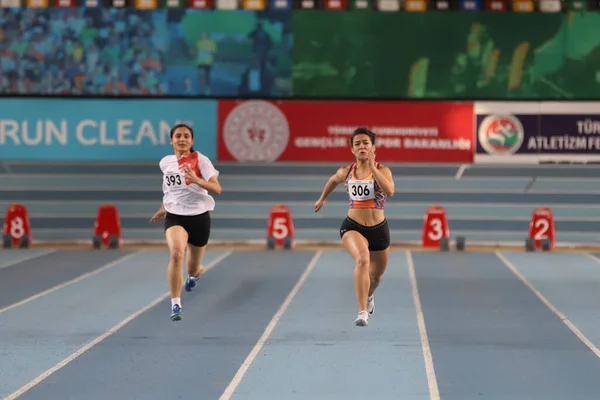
(478, 55)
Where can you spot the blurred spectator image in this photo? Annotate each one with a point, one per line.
(80, 51)
(124, 52)
(214, 52)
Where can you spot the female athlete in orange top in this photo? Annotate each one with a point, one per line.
(364, 232)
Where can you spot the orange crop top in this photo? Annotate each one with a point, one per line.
(365, 192)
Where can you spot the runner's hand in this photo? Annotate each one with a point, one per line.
(190, 175)
(371, 160)
(319, 204)
(160, 214)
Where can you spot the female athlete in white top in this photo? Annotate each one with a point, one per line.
(188, 177)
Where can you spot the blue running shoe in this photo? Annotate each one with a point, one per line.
(176, 314)
(190, 283)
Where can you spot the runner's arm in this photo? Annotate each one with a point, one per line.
(333, 182)
(383, 176)
(212, 185)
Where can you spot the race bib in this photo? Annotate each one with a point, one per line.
(174, 181)
(361, 189)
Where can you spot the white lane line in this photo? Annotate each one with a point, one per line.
(67, 283)
(261, 341)
(27, 257)
(434, 392)
(548, 304)
(100, 338)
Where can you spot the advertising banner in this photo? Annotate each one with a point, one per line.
(263, 131)
(90, 129)
(537, 132)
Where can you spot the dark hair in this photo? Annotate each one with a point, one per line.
(362, 131)
(173, 129)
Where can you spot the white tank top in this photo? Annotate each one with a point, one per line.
(186, 198)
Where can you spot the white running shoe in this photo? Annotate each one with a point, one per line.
(371, 304)
(363, 319)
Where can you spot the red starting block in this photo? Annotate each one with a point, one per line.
(541, 230)
(435, 227)
(107, 229)
(17, 229)
(280, 228)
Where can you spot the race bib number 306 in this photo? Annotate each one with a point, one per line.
(361, 190)
(174, 181)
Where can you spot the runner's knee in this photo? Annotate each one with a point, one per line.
(375, 278)
(362, 261)
(177, 256)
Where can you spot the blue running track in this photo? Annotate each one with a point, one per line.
(279, 325)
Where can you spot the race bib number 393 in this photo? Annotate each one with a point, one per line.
(174, 181)
(361, 189)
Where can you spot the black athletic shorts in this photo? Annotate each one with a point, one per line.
(196, 226)
(378, 235)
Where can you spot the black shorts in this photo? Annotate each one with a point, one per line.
(196, 226)
(378, 235)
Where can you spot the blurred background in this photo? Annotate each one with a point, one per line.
(485, 107)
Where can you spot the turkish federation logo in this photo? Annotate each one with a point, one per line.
(501, 134)
(256, 130)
